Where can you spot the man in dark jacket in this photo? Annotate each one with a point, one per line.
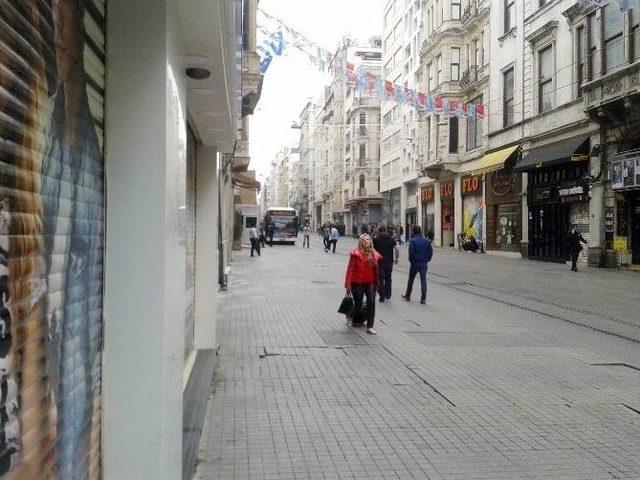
(575, 238)
(420, 254)
(386, 246)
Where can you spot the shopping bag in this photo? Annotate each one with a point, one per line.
(347, 305)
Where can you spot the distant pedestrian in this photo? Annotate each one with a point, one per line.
(263, 236)
(361, 280)
(386, 246)
(271, 230)
(420, 254)
(334, 235)
(354, 231)
(306, 233)
(399, 233)
(326, 231)
(575, 247)
(254, 238)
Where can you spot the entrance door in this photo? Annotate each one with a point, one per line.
(635, 230)
(548, 228)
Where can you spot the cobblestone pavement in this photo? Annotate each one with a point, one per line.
(506, 373)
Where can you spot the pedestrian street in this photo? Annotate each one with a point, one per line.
(512, 370)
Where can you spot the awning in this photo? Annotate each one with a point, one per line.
(243, 180)
(491, 161)
(554, 153)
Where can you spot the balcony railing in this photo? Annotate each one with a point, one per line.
(469, 76)
(362, 192)
(469, 12)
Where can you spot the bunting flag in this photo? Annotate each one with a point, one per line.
(278, 36)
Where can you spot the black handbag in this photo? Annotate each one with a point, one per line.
(347, 305)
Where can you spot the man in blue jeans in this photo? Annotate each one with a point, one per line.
(420, 254)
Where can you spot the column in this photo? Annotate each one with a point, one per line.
(144, 293)
(524, 223)
(457, 208)
(437, 221)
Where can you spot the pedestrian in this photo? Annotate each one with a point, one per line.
(254, 238)
(361, 280)
(334, 235)
(263, 236)
(271, 229)
(420, 254)
(326, 231)
(386, 246)
(575, 247)
(306, 233)
(354, 230)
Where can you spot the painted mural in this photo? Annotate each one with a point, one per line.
(51, 237)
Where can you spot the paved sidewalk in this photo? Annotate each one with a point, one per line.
(468, 387)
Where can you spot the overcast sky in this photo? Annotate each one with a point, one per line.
(291, 80)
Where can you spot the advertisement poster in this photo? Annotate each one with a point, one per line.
(447, 217)
(473, 216)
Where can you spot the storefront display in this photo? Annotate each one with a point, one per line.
(428, 210)
(447, 212)
(502, 197)
(625, 182)
(473, 207)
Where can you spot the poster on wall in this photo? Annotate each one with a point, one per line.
(473, 216)
(447, 217)
(51, 239)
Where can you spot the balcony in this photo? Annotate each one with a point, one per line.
(241, 157)
(469, 76)
(362, 192)
(473, 12)
(251, 82)
(612, 96)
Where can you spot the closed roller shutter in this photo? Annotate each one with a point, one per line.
(51, 237)
(190, 247)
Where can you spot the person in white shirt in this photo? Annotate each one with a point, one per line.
(306, 233)
(334, 235)
(254, 238)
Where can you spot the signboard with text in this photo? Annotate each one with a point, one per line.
(625, 174)
(426, 194)
(471, 185)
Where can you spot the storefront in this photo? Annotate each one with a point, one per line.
(625, 183)
(557, 196)
(471, 189)
(502, 196)
(447, 214)
(427, 198)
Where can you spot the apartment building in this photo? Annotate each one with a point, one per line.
(307, 151)
(361, 197)
(454, 60)
(399, 134)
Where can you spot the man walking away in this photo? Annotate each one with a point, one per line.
(326, 231)
(334, 235)
(263, 236)
(575, 238)
(306, 233)
(420, 254)
(386, 246)
(254, 238)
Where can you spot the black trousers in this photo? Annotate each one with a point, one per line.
(271, 240)
(384, 281)
(364, 315)
(263, 240)
(325, 242)
(332, 242)
(574, 259)
(255, 246)
(413, 271)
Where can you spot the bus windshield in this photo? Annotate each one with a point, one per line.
(284, 223)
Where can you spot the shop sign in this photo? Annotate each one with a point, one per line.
(620, 243)
(542, 194)
(446, 190)
(426, 194)
(625, 173)
(471, 185)
(571, 194)
(609, 220)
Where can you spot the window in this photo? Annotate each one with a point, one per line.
(545, 79)
(593, 59)
(509, 15)
(428, 137)
(362, 153)
(363, 121)
(613, 21)
(634, 23)
(481, 55)
(387, 119)
(474, 128)
(386, 170)
(507, 106)
(453, 135)
(455, 9)
(455, 64)
(476, 52)
(543, 3)
(439, 72)
(580, 65)
(429, 77)
(395, 166)
(347, 143)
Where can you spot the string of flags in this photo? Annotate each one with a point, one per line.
(279, 36)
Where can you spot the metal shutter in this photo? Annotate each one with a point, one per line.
(190, 243)
(51, 238)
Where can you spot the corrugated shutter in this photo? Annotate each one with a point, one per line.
(190, 247)
(51, 237)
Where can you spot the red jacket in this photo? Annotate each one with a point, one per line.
(361, 270)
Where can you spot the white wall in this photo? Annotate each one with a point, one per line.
(144, 295)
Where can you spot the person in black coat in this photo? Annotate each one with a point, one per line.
(575, 240)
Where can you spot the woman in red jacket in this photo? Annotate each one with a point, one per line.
(362, 279)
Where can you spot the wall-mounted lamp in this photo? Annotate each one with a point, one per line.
(198, 73)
